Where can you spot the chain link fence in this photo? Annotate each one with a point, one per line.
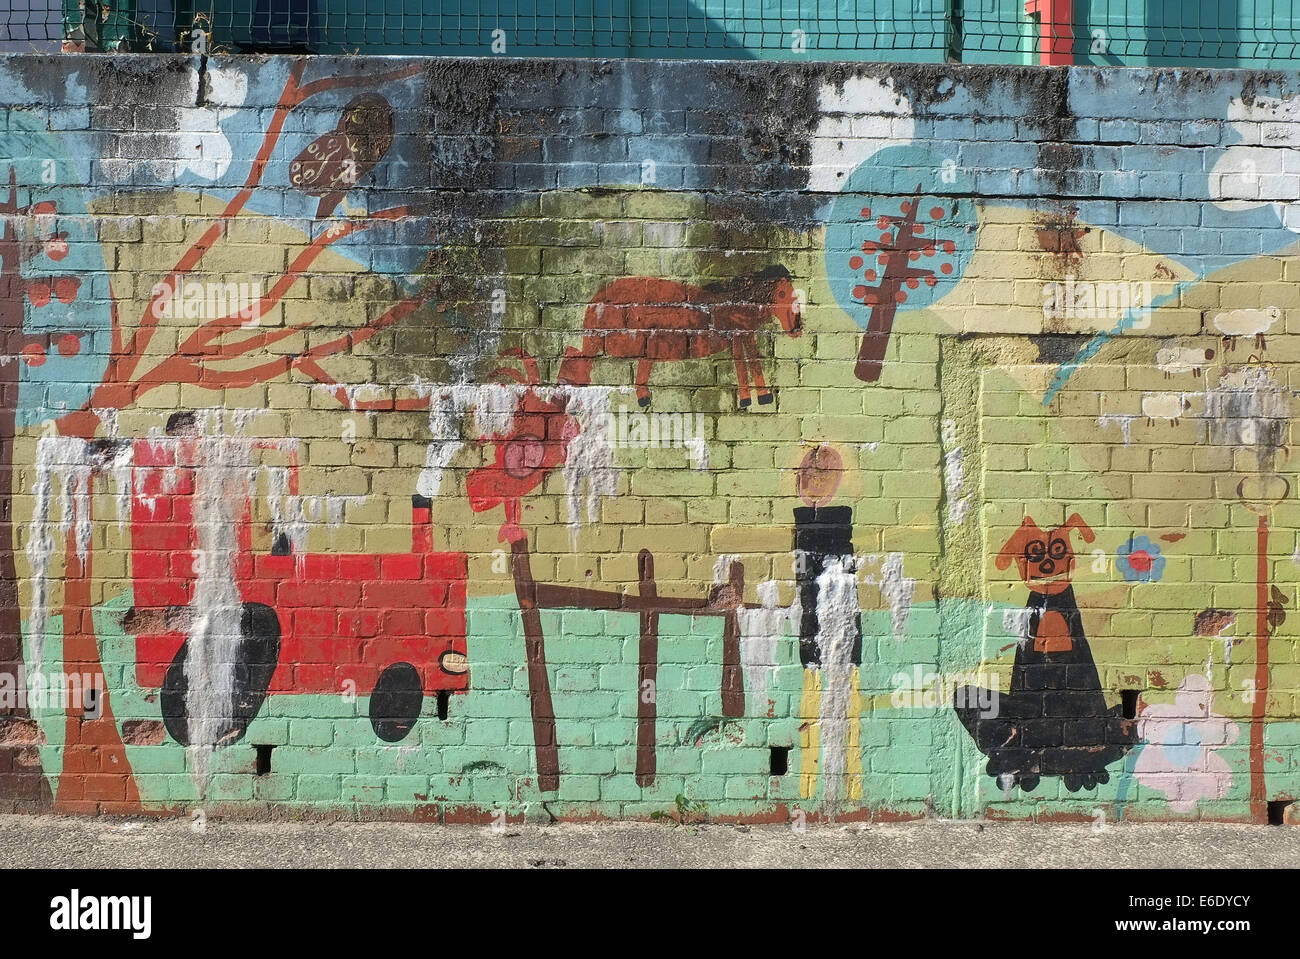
(1252, 33)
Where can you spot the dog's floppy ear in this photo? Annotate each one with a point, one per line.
(1028, 530)
(1076, 522)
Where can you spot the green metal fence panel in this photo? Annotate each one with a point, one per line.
(1248, 33)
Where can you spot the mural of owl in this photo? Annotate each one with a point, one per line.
(332, 164)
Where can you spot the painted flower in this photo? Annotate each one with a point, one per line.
(1140, 560)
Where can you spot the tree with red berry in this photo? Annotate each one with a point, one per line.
(891, 252)
(47, 321)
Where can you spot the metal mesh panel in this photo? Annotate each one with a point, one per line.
(1129, 32)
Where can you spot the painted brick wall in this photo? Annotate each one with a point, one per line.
(443, 439)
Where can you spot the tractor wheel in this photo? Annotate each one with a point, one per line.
(259, 654)
(396, 701)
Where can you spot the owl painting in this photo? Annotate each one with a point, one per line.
(332, 164)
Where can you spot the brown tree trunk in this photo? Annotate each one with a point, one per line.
(96, 776)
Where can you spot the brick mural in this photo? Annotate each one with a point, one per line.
(459, 439)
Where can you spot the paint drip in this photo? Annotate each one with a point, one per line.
(589, 468)
(223, 483)
(293, 515)
(1248, 408)
(63, 471)
(837, 614)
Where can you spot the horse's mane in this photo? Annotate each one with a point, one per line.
(757, 287)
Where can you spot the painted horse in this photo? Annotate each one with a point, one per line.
(653, 320)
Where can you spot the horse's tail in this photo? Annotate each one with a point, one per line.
(575, 368)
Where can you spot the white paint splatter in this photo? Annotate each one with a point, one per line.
(722, 567)
(1016, 623)
(590, 459)
(896, 589)
(699, 453)
(953, 475)
(760, 633)
(1123, 420)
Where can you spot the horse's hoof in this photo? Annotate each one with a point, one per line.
(764, 399)
(744, 403)
(643, 401)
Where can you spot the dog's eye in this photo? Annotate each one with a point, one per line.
(1035, 551)
(1057, 549)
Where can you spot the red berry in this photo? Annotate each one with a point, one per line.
(65, 288)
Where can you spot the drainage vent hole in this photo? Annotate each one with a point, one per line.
(780, 760)
(263, 759)
(1129, 697)
(1277, 812)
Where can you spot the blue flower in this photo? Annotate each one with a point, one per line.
(1140, 560)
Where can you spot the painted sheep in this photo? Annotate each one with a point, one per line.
(1164, 406)
(1235, 323)
(1183, 359)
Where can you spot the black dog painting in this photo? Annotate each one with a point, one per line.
(1053, 720)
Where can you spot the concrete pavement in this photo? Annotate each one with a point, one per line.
(54, 841)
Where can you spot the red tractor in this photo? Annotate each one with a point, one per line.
(390, 625)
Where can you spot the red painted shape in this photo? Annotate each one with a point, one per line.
(1056, 20)
(342, 616)
(1259, 709)
(538, 442)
